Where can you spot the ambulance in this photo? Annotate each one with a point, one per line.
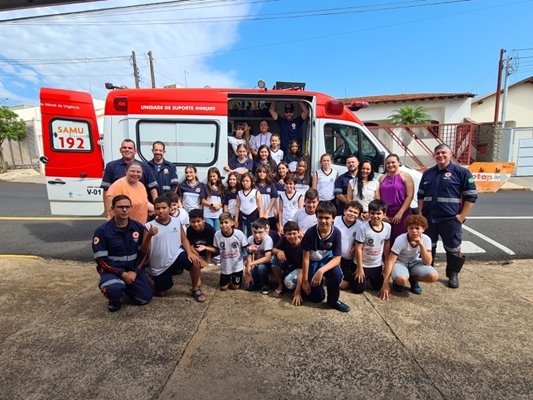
(194, 123)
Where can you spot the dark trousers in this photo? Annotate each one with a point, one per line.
(140, 291)
(374, 275)
(451, 233)
(333, 283)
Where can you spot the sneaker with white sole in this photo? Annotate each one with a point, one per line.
(265, 289)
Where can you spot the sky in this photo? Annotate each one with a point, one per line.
(344, 48)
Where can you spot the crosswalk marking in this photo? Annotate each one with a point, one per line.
(466, 248)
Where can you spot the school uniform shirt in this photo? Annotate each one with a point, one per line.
(319, 247)
(326, 184)
(265, 246)
(230, 248)
(183, 216)
(277, 155)
(267, 192)
(235, 142)
(259, 140)
(407, 253)
(373, 243)
(240, 166)
(165, 246)
(301, 185)
(248, 201)
(304, 220)
(290, 206)
(348, 235)
(293, 254)
(213, 199)
(271, 165)
(205, 238)
(191, 195)
(230, 200)
(369, 192)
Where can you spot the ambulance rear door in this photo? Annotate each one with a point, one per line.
(72, 154)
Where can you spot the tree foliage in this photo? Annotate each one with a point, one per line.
(409, 115)
(11, 126)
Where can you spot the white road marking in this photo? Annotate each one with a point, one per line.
(466, 248)
(468, 218)
(488, 239)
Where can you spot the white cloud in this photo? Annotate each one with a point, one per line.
(75, 40)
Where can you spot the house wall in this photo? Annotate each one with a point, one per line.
(519, 107)
(447, 111)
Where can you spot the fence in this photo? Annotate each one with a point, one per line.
(23, 154)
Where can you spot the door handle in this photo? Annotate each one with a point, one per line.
(57, 182)
(83, 175)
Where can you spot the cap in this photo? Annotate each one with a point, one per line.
(289, 107)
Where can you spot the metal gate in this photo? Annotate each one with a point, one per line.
(524, 165)
(517, 147)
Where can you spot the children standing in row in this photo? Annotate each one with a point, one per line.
(348, 224)
(290, 202)
(213, 201)
(324, 179)
(230, 196)
(191, 191)
(275, 150)
(268, 192)
(249, 203)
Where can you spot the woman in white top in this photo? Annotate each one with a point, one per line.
(324, 179)
(363, 187)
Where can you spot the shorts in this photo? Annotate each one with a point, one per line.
(411, 268)
(163, 281)
(348, 269)
(235, 279)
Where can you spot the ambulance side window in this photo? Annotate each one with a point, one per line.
(187, 142)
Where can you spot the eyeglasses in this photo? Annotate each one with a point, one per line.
(123, 207)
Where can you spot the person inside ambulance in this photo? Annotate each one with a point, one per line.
(289, 127)
(164, 171)
(116, 169)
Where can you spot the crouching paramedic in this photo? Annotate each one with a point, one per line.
(120, 261)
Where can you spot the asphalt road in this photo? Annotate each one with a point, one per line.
(505, 218)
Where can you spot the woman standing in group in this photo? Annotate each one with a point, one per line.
(397, 189)
(130, 186)
(363, 187)
(212, 203)
(324, 179)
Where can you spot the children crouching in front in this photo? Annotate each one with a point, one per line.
(287, 260)
(410, 259)
(322, 250)
(259, 253)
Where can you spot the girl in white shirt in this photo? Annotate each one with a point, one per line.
(363, 188)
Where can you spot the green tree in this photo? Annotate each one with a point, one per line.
(409, 115)
(11, 127)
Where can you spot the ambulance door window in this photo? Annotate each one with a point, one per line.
(369, 151)
(341, 141)
(186, 143)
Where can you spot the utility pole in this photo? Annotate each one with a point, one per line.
(505, 89)
(498, 86)
(135, 70)
(152, 72)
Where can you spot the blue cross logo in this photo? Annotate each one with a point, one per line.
(70, 195)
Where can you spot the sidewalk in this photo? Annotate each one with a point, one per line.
(58, 341)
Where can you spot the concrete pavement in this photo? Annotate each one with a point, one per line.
(58, 341)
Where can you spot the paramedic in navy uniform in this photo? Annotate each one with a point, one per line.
(116, 169)
(289, 127)
(446, 195)
(164, 171)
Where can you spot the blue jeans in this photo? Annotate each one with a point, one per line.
(214, 222)
(260, 276)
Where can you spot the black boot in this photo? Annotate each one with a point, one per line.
(453, 267)
(433, 255)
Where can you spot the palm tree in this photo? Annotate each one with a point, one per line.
(410, 115)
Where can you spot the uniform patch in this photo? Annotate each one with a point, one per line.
(268, 190)
(96, 240)
(235, 245)
(447, 174)
(470, 180)
(197, 190)
(165, 171)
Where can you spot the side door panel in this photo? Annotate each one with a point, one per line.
(72, 153)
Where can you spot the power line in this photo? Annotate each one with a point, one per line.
(275, 16)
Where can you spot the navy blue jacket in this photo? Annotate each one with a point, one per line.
(167, 178)
(116, 169)
(444, 190)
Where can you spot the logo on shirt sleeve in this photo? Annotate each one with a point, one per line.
(96, 240)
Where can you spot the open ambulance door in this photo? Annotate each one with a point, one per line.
(72, 154)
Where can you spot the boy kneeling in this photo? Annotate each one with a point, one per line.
(258, 261)
(322, 249)
(165, 239)
(410, 259)
(287, 258)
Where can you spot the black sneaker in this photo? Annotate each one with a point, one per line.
(114, 306)
(265, 289)
(178, 272)
(415, 286)
(340, 306)
(397, 288)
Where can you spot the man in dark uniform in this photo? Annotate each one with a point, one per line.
(289, 127)
(342, 182)
(446, 195)
(119, 259)
(163, 171)
(116, 169)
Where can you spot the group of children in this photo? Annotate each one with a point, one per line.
(315, 245)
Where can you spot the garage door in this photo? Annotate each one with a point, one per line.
(524, 165)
